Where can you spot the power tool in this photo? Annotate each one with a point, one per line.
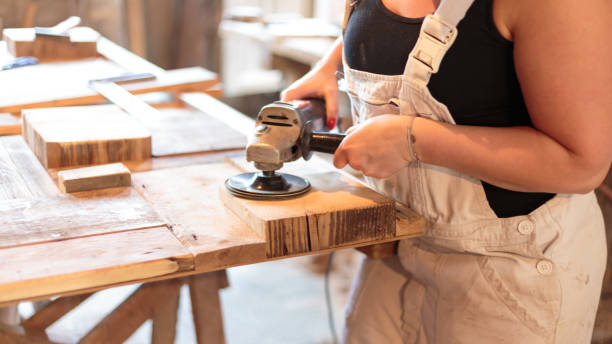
(283, 132)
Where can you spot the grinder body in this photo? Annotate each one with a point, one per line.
(285, 132)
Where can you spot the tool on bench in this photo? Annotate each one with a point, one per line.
(283, 132)
(20, 62)
(60, 29)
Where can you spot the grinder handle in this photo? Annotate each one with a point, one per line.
(325, 142)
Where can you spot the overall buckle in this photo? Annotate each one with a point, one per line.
(435, 39)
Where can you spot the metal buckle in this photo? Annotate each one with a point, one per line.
(430, 49)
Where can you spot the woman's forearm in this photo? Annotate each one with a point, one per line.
(515, 158)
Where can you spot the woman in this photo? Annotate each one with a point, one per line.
(499, 151)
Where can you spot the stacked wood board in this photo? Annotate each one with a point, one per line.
(80, 42)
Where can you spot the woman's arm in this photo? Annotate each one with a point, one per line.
(563, 60)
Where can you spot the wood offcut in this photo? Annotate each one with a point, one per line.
(79, 43)
(94, 178)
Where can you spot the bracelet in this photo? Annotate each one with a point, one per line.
(412, 140)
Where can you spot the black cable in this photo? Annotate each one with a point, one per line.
(330, 311)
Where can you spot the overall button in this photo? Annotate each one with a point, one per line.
(525, 227)
(544, 267)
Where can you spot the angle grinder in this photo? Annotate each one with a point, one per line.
(284, 132)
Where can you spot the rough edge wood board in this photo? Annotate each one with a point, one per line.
(28, 221)
(22, 174)
(408, 222)
(187, 198)
(90, 262)
(94, 178)
(81, 43)
(179, 80)
(336, 212)
(73, 136)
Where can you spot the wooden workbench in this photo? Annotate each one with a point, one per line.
(170, 223)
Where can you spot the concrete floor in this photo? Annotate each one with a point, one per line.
(276, 302)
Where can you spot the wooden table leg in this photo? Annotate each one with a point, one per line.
(121, 323)
(206, 306)
(380, 251)
(9, 316)
(164, 319)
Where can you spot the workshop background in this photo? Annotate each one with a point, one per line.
(276, 302)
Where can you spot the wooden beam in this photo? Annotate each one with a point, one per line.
(53, 311)
(132, 313)
(165, 316)
(206, 306)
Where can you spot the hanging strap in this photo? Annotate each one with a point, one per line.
(438, 33)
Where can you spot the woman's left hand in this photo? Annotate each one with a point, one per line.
(379, 147)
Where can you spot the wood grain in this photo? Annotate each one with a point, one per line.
(94, 178)
(186, 198)
(28, 221)
(337, 211)
(63, 137)
(22, 174)
(81, 43)
(87, 262)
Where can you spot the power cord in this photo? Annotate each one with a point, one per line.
(330, 311)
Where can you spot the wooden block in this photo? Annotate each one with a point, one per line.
(336, 212)
(10, 124)
(81, 43)
(62, 137)
(87, 262)
(65, 216)
(94, 178)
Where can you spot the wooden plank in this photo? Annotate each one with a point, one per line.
(10, 124)
(206, 306)
(22, 174)
(175, 130)
(53, 311)
(337, 211)
(136, 26)
(187, 198)
(74, 89)
(87, 262)
(64, 137)
(81, 43)
(28, 221)
(180, 131)
(119, 325)
(94, 178)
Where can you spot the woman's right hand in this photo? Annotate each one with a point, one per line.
(320, 82)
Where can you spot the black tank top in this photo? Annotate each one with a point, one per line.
(476, 81)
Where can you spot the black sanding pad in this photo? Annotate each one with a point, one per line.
(267, 185)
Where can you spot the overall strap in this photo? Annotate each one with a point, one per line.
(438, 33)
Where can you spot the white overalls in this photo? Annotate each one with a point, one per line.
(472, 278)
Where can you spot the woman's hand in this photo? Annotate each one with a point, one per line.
(379, 147)
(320, 82)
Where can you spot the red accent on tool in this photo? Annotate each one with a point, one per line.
(331, 123)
